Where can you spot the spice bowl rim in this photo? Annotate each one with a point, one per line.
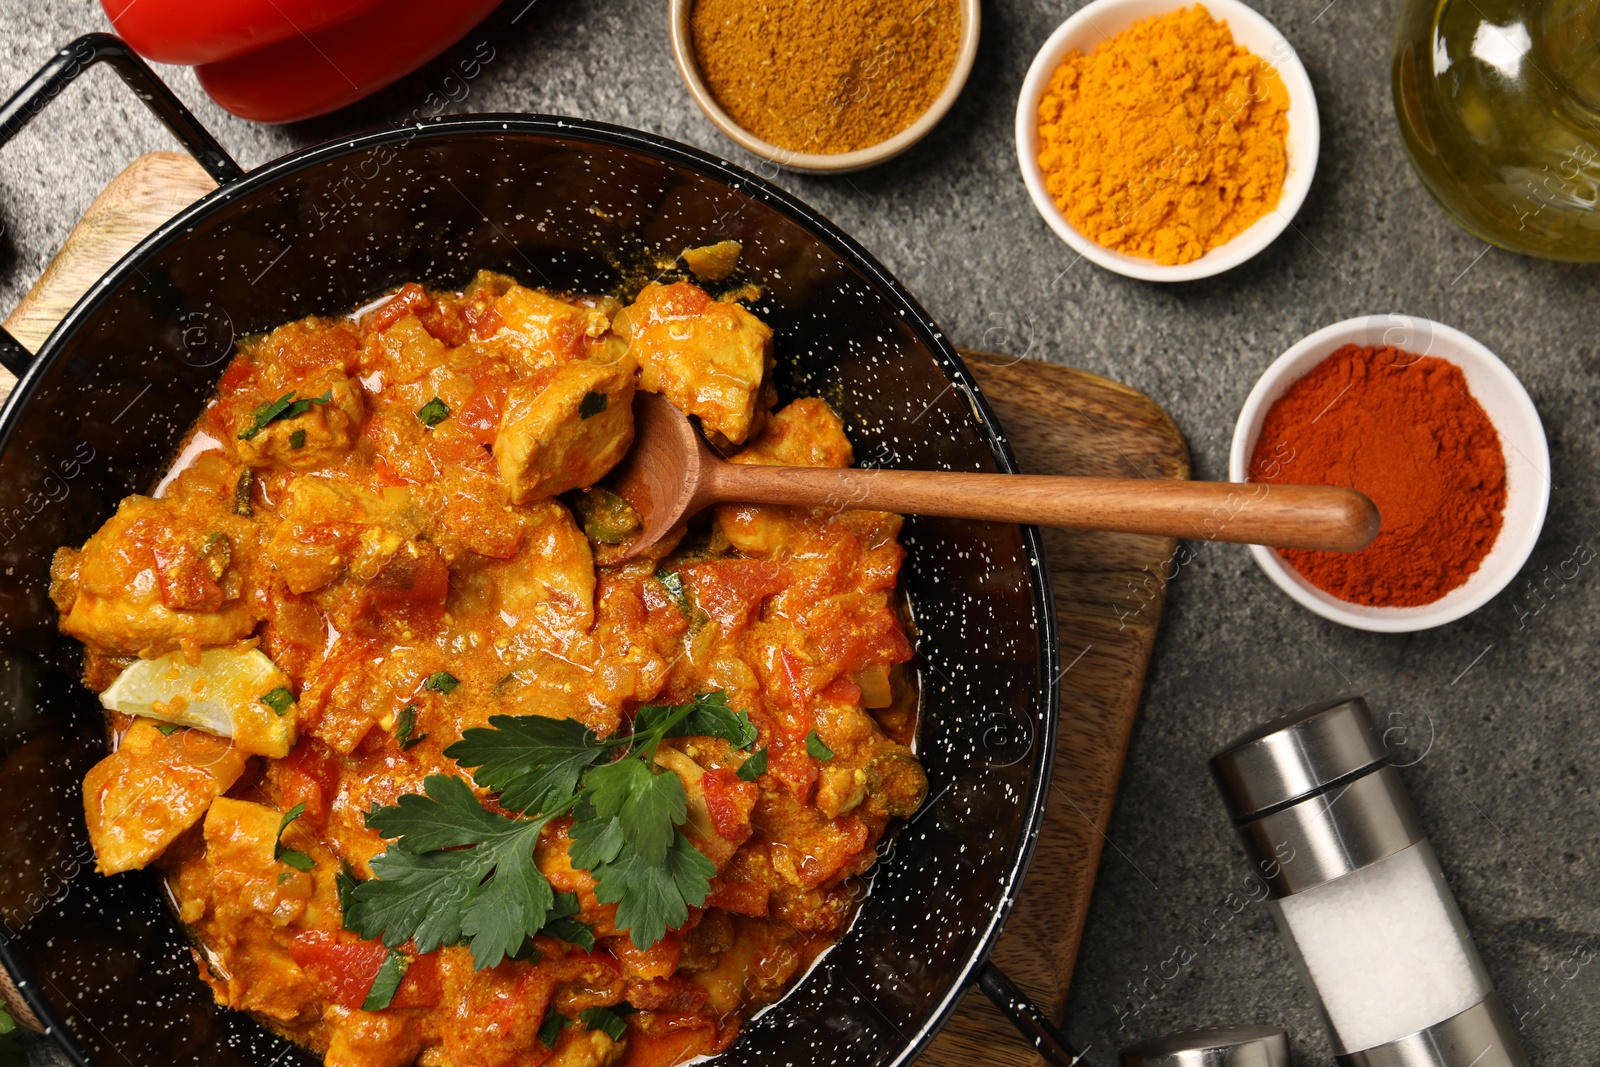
(682, 37)
(1505, 402)
(1099, 20)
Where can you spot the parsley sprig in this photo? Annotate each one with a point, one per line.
(459, 872)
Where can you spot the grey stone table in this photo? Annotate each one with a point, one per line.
(1507, 788)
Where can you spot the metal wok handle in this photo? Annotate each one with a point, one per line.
(1025, 1015)
(57, 74)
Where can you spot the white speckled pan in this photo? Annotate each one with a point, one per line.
(567, 205)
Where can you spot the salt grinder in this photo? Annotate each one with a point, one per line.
(1358, 894)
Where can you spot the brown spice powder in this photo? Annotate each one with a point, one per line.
(825, 76)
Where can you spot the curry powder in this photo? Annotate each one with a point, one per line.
(1167, 140)
(825, 77)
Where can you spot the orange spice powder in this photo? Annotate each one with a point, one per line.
(825, 76)
(1167, 140)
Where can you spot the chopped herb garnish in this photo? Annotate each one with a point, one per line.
(815, 746)
(604, 1019)
(297, 440)
(550, 1029)
(242, 491)
(591, 405)
(673, 582)
(433, 412)
(754, 766)
(442, 682)
(285, 876)
(345, 883)
(566, 928)
(387, 982)
(456, 872)
(298, 860)
(284, 408)
(168, 728)
(279, 700)
(404, 724)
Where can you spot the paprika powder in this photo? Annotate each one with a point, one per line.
(1405, 430)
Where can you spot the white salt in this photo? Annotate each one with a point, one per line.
(1386, 949)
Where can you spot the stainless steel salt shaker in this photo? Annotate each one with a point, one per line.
(1358, 894)
(1212, 1046)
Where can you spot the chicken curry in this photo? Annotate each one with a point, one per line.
(433, 773)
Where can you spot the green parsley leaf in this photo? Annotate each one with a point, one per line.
(404, 725)
(604, 1019)
(530, 760)
(433, 888)
(815, 746)
(571, 930)
(345, 883)
(298, 860)
(168, 728)
(673, 581)
(297, 440)
(442, 682)
(284, 408)
(285, 876)
(8, 1025)
(591, 405)
(550, 1029)
(709, 716)
(644, 805)
(754, 767)
(433, 412)
(650, 898)
(387, 982)
(278, 700)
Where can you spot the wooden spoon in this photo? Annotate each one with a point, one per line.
(670, 474)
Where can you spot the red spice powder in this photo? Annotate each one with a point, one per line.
(1405, 430)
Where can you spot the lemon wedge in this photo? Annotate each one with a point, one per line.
(230, 693)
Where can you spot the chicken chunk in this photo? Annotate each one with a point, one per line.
(151, 789)
(331, 526)
(151, 577)
(565, 427)
(541, 331)
(549, 584)
(315, 437)
(254, 895)
(709, 358)
(806, 433)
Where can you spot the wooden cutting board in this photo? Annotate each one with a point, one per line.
(1109, 590)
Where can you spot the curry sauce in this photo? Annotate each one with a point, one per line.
(372, 535)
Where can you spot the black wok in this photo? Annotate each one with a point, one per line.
(558, 203)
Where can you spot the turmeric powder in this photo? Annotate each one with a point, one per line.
(1167, 140)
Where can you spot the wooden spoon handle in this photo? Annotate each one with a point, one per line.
(1285, 516)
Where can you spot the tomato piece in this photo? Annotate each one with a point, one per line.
(308, 775)
(343, 968)
(842, 690)
(407, 300)
(233, 379)
(185, 581)
(794, 767)
(311, 74)
(729, 802)
(731, 590)
(409, 590)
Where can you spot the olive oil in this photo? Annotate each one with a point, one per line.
(1499, 107)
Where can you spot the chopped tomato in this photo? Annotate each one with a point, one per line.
(308, 775)
(792, 765)
(407, 300)
(344, 967)
(863, 641)
(410, 589)
(728, 801)
(842, 690)
(731, 590)
(234, 378)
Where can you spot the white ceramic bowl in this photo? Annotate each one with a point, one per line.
(1503, 399)
(1102, 19)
